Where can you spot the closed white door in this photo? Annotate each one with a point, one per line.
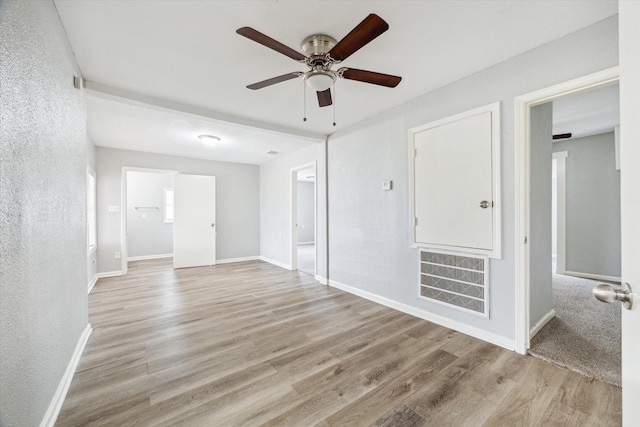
(453, 184)
(194, 230)
(630, 204)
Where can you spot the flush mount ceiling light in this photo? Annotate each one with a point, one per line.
(320, 80)
(210, 140)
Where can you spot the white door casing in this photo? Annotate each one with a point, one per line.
(523, 106)
(194, 229)
(293, 209)
(629, 31)
(123, 211)
(561, 205)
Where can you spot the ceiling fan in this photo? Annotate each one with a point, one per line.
(562, 136)
(321, 52)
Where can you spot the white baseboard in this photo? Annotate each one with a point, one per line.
(321, 280)
(489, 337)
(230, 260)
(145, 257)
(92, 283)
(51, 415)
(274, 262)
(545, 319)
(592, 276)
(109, 274)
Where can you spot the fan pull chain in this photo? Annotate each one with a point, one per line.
(304, 89)
(334, 103)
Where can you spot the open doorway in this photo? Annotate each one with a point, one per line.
(574, 184)
(303, 214)
(147, 215)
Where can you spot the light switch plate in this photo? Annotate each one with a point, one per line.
(387, 185)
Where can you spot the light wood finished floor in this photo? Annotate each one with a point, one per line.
(251, 344)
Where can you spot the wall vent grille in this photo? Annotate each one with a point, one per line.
(458, 281)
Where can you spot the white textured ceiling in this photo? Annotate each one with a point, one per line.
(186, 55)
(140, 127)
(587, 113)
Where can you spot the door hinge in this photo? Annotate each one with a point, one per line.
(525, 240)
(415, 221)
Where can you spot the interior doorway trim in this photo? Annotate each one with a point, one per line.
(293, 250)
(561, 210)
(123, 209)
(522, 112)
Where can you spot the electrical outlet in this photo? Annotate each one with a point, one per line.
(117, 255)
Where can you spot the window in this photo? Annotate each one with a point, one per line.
(92, 232)
(168, 204)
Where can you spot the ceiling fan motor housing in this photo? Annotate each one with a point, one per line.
(318, 45)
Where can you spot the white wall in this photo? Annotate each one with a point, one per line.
(369, 228)
(593, 205)
(275, 206)
(237, 201)
(43, 271)
(540, 156)
(306, 212)
(147, 233)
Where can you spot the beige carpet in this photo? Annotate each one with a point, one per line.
(585, 334)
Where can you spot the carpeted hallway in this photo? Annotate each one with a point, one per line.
(585, 334)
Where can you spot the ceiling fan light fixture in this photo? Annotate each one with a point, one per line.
(210, 140)
(319, 81)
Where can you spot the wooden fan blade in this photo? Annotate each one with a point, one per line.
(562, 136)
(370, 28)
(370, 77)
(267, 41)
(324, 98)
(273, 80)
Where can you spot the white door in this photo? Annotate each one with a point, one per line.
(194, 232)
(629, 16)
(453, 175)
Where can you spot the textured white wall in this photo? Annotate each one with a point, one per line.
(275, 206)
(369, 229)
(237, 201)
(43, 286)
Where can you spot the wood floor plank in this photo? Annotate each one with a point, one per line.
(400, 416)
(250, 343)
(365, 410)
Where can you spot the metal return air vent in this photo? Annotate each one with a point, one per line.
(458, 281)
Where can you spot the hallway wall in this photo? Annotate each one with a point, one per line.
(43, 243)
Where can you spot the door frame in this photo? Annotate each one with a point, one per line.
(123, 210)
(522, 113)
(561, 210)
(293, 213)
